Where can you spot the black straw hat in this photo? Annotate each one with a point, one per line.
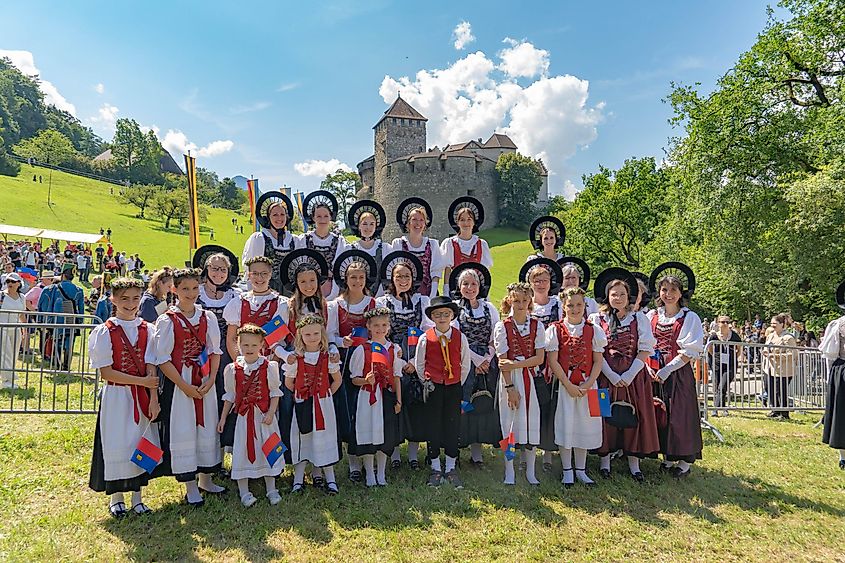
(483, 277)
(580, 265)
(267, 200)
(353, 216)
(298, 261)
(611, 274)
(677, 269)
(550, 265)
(473, 205)
(319, 198)
(403, 212)
(546, 221)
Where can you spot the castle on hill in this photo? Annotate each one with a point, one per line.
(402, 167)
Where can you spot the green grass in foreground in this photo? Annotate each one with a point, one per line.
(771, 492)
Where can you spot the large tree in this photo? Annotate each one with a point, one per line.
(343, 185)
(519, 182)
(140, 195)
(48, 146)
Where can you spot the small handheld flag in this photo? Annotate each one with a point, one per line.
(359, 335)
(203, 363)
(413, 335)
(467, 407)
(655, 361)
(380, 354)
(599, 402)
(276, 330)
(508, 446)
(147, 455)
(28, 274)
(273, 449)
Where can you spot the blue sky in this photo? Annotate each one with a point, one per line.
(261, 89)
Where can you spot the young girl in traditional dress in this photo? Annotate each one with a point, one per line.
(257, 306)
(520, 345)
(466, 215)
(414, 216)
(402, 274)
(547, 235)
(630, 343)
(680, 339)
(313, 378)
(253, 389)
(354, 269)
(274, 241)
(477, 319)
(544, 276)
(575, 348)
(833, 350)
(377, 429)
(187, 337)
(320, 210)
(443, 360)
(123, 349)
(366, 220)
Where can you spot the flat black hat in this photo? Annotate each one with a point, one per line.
(408, 205)
(610, 274)
(267, 199)
(677, 269)
(550, 265)
(483, 276)
(318, 198)
(473, 205)
(546, 221)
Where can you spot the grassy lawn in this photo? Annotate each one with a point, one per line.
(771, 491)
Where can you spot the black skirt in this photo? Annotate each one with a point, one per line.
(415, 416)
(834, 414)
(393, 429)
(96, 478)
(481, 428)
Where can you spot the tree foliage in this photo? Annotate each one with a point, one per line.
(519, 182)
(47, 146)
(140, 195)
(343, 185)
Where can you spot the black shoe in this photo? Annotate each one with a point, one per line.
(678, 474)
(396, 464)
(773, 414)
(476, 464)
(319, 482)
(197, 504)
(605, 473)
(224, 473)
(141, 508)
(547, 467)
(435, 479)
(415, 465)
(355, 476)
(297, 488)
(666, 468)
(638, 477)
(117, 510)
(331, 488)
(785, 415)
(453, 478)
(842, 464)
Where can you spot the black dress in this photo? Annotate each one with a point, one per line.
(479, 427)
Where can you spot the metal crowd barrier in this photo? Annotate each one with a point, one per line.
(44, 364)
(744, 376)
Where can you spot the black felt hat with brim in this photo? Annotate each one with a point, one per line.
(442, 302)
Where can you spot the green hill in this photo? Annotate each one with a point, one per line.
(84, 205)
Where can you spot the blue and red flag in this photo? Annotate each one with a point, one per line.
(359, 335)
(147, 455)
(655, 361)
(599, 402)
(273, 448)
(508, 445)
(467, 407)
(380, 354)
(276, 330)
(413, 335)
(28, 274)
(203, 363)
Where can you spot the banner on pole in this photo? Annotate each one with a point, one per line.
(193, 207)
(252, 196)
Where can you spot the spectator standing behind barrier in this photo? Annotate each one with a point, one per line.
(723, 361)
(779, 366)
(12, 304)
(151, 301)
(62, 297)
(100, 252)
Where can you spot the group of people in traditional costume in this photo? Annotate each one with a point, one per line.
(324, 347)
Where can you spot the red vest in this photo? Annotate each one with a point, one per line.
(130, 360)
(459, 257)
(346, 321)
(575, 352)
(383, 373)
(435, 363)
(667, 336)
(188, 342)
(252, 390)
(519, 345)
(313, 381)
(261, 316)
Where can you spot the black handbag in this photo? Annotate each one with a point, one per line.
(623, 414)
(412, 390)
(481, 398)
(304, 412)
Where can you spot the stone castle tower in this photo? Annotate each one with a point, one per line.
(401, 167)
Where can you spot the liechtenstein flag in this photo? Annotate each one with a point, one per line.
(273, 449)
(203, 363)
(508, 445)
(413, 335)
(380, 354)
(276, 329)
(28, 274)
(598, 401)
(147, 455)
(359, 335)
(467, 407)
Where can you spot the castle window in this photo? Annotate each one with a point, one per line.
(442, 164)
(477, 165)
(469, 192)
(388, 170)
(411, 166)
(371, 190)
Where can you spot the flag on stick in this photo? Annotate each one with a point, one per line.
(276, 330)
(147, 455)
(359, 335)
(273, 449)
(380, 354)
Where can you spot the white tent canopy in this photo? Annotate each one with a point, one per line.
(34, 232)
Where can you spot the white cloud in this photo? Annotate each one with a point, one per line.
(100, 88)
(523, 60)
(249, 108)
(320, 167)
(462, 34)
(288, 87)
(25, 62)
(177, 143)
(549, 118)
(105, 118)
(570, 190)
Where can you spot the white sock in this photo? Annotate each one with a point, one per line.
(368, 469)
(381, 466)
(193, 491)
(510, 478)
(842, 454)
(413, 451)
(435, 464)
(450, 463)
(633, 464)
(208, 485)
(547, 457)
(329, 471)
(243, 487)
(299, 473)
(395, 456)
(475, 452)
(136, 498)
(530, 460)
(604, 462)
(270, 484)
(566, 458)
(354, 463)
(580, 458)
(683, 466)
(116, 498)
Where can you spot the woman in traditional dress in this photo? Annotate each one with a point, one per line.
(274, 211)
(414, 218)
(466, 215)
